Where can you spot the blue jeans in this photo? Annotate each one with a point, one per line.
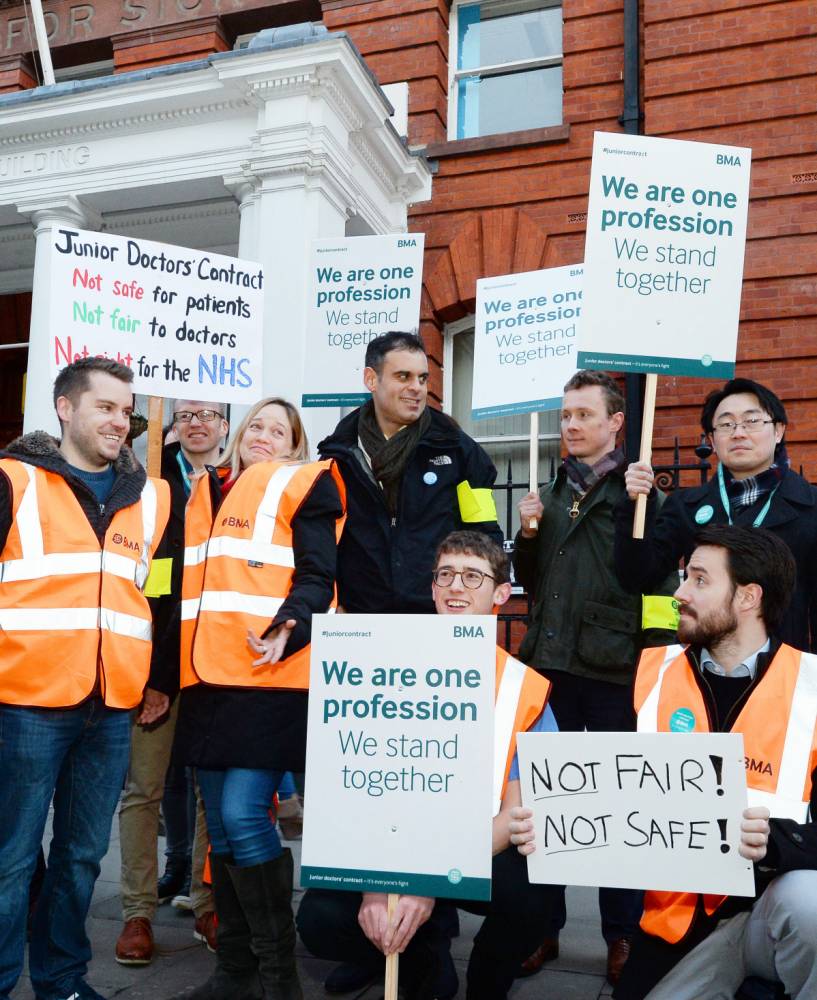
(237, 803)
(80, 757)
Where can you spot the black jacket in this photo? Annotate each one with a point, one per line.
(670, 536)
(385, 563)
(792, 847)
(582, 621)
(222, 727)
(40, 449)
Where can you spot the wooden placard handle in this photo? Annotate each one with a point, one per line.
(392, 961)
(646, 451)
(154, 458)
(533, 461)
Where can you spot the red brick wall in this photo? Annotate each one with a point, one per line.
(743, 73)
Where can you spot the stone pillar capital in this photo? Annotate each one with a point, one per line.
(63, 210)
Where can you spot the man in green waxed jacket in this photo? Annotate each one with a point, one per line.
(586, 631)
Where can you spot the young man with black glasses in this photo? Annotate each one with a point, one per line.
(754, 486)
(200, 428)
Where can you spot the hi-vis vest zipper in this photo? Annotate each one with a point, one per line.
(68, 605)
(779, 726)
(238, 572)
(519, 699)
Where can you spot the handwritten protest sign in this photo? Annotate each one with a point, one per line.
(525, 340)
(400, 729)
(663, 265)
(637, 810)
(360, 288)
(188, 322)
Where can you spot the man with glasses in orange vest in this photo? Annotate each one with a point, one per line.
(735, 675)
(79, 523)
(471, 577)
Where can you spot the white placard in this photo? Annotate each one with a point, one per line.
(663, 263)
(399, 755)
(637, 810)
(360, 288)
(188, 322)
(525, 340)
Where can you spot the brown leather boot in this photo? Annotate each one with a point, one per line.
(135, 945)
(618, 952)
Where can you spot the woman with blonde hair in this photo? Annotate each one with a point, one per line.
(260, 559)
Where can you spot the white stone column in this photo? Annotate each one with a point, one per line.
(66, 211)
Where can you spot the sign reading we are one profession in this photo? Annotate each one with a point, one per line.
(666, 231)
(188, 322)
(637, 810)
(525, 340)
(360, 287)
(399, 755)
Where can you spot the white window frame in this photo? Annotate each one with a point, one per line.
(455, 74)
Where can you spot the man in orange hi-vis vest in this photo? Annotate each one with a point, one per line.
(79, 523)
(471, 577)
(735, 676)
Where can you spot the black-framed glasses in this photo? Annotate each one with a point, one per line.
(752, 425)
(205, 416)
(471, 578)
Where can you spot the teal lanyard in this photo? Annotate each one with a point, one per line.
(186, 476)
(761, 517)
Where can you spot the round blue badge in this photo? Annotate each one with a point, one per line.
(682, 720)
(703, 515)
(430, 478)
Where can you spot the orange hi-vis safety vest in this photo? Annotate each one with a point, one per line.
(519, 699)
(779, 726)
(70, 607)
(238, 572)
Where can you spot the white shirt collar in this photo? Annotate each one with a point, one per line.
(747, 668)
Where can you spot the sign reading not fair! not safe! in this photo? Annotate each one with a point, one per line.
(637, 810)
(188, 322)
(400, 730)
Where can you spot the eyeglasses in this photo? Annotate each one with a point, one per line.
(471, 578)
(752, 425)
(205, 416)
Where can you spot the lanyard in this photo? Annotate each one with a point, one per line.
(186, 476)
(761, 517)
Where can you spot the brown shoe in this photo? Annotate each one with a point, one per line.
(617, 954)
(135, 944)
(547, 951)
(205, 930)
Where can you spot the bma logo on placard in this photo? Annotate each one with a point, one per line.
(468, 632)
(727, 160)
(407, 243)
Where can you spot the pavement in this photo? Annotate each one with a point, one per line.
(182, 962)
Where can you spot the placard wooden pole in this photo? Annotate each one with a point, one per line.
(155, 411)
(392, 961)
(534, 460)
(647, 421)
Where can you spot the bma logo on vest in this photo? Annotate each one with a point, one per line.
(124, 540)
(235, 522)
(468, 632)
(761, 766)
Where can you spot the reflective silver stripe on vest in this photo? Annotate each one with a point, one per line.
(126, 625)
(268, 508)
(779, 807)
(249, 550)
(195, 554)
(648, 715)
(189, 608)
(28, 518)
(507, 702)
(150, 505)
(233, 601)
(45, 619)
(796, 756)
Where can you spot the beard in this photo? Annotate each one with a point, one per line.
(710, 630)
